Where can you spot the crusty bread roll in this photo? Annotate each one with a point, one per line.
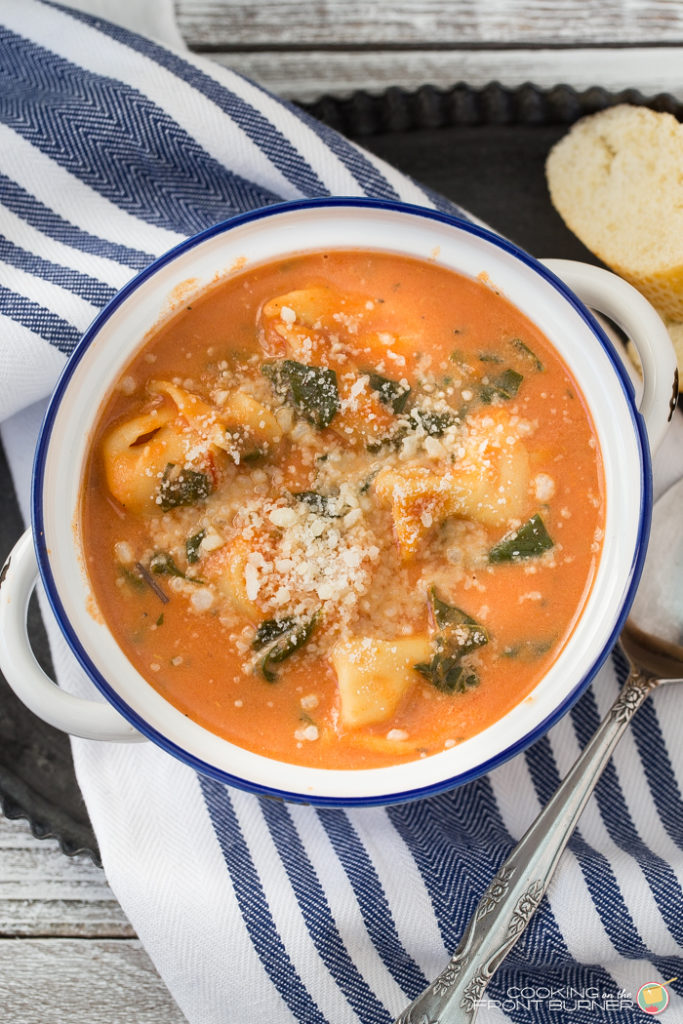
(616, 179)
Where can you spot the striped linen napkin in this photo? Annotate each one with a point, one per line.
(112, 149)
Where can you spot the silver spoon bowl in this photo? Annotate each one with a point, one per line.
(652, 640)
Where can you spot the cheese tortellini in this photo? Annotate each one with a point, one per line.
(374, 676)
(488, 482)
(184, 431)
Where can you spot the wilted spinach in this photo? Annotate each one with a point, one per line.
(311, 390)
(182, 486)
(285, 636)
(530, 540)
(459, 634)
(390, 392)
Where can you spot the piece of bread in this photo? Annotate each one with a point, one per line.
(616, 179)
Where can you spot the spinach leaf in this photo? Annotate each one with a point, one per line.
(448, 674)
(463, 633)
(459, 635)
(446, 614)
(163, 564)
(271, 629)
(527, 650)
(192, 545)
(289, 642)
(433, 423)
(182, 486)
(367, 483)
(133, 579)
(529, 354)
(390, 392)
(311, 390)
(529, 540)
(391, 440)
(318, 503)
(505, 386)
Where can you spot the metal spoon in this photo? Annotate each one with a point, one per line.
(652, 640)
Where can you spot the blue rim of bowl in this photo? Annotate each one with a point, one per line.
(637, 562)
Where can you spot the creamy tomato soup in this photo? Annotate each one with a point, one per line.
(344, 509)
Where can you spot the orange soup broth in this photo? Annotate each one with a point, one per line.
(192, 659)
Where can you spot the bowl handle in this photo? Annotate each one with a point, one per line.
(606, 293)
(80, 717)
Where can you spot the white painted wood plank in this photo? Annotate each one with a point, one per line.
(74, 981)
(27, 919)
(306, 76)
(42, 892)
(230, 24)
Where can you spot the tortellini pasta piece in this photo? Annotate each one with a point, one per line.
(310, 306)
(254, 422)
(226, 569)
(374, 676)
(140, 451)
(135, 456)
(392, 745)
(300, 323)
(393, 347)
(488, 482)
(184, 431)
(189, 405)
(239, 424)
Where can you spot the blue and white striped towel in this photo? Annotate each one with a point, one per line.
(113, 148)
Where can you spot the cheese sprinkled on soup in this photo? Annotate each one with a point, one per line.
(344, 509)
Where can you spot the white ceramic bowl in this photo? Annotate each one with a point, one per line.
(135, 709)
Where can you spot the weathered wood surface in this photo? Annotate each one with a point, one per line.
(67, 952)
(96, 981)
(289, 24)
(43, 893)
(302, 51)
(308, 75)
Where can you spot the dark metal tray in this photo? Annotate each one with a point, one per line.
(484, 149)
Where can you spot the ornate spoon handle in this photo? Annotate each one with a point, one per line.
(511, 899)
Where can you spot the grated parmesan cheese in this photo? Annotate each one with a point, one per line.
(201, 600)
(397, 735)
(544, 487)
(308, 732)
